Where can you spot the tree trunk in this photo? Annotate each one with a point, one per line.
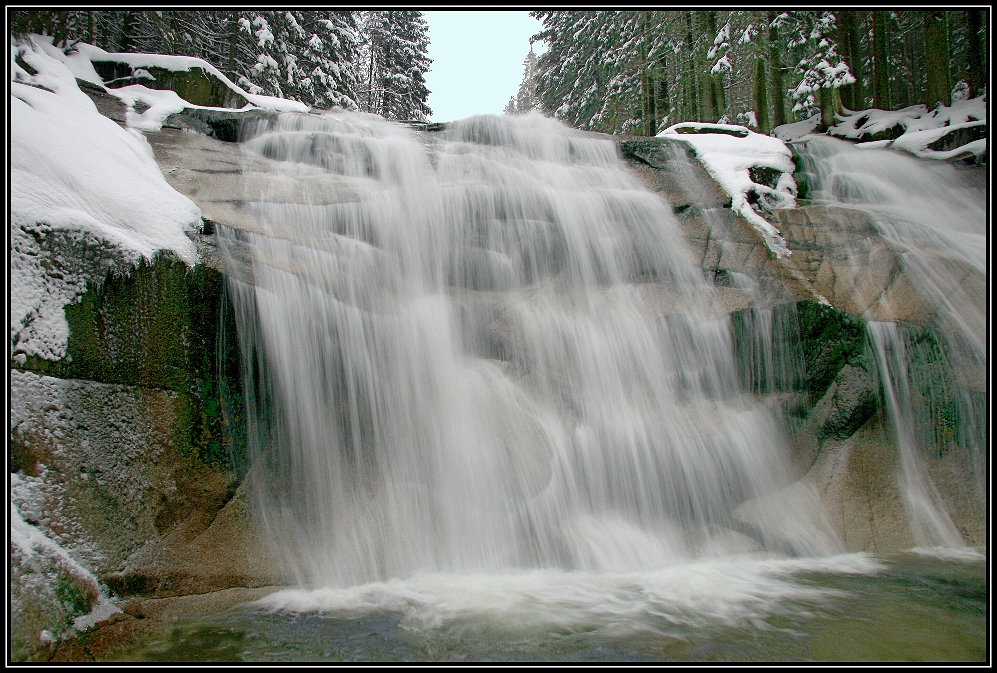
(936, 60)
(761, 97)
(974, 55)
(880, 64)
(778, 95)
(708, 28)
(127, 25)
(825, 98)
(852, 95)
(692, 68)
(662, 103)
(233, 41)
(646, 85)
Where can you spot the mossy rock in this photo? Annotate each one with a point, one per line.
(167, 327)
(646, 151)
(196, 85)
(829, 339)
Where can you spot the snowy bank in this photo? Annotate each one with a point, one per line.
(145, 83)
(754, 169)
(52, 596)
(76, 172)
(945, 133)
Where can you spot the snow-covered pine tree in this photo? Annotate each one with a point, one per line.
(571, 76)
(267, 35)
(327, 59)
(403, 42)
(526, 99)
(821, 68)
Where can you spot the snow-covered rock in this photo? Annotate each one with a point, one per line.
(754, 169)
(946, 133)
(52, 596)
(76, 173)
(796, 130)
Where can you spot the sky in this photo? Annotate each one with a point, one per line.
(477, 60)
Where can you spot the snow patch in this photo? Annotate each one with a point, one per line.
(796, 130)
(916, 127)
(729, 152)
(40, 556)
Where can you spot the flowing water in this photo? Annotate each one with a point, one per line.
(926, 606)
(490, 402)
(934, 216)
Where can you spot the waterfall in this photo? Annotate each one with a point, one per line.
(932, 213)
(485, 349)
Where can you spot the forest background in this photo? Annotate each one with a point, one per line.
(616, 72)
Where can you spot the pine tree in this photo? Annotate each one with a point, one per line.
(821, 69)
(525, 99)
(394, 62)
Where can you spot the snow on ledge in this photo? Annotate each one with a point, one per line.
(728, 152)
(186, 63)
(74, 170)
(796, 130)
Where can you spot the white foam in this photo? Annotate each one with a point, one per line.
(734, 592)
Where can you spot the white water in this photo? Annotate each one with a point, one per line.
(926, 513)
(737, 592)
(484, 352)
(933, 214)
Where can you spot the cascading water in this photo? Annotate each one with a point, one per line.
(483, 350)
(926, 513)
(934, 216)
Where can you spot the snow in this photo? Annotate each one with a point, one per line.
(921, 127)
(184, 63)
(74, 170)
(796, 130)
(916, 142)
(872, 121)
(728, 157)
(40, 553)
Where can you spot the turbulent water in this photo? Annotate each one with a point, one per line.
(484, 350)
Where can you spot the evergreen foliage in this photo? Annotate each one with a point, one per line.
(526, 99)
(640, 71)
(396, 59)
(318, 57)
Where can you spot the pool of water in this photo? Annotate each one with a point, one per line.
(929, 605)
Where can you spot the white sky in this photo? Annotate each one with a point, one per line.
(477, 60)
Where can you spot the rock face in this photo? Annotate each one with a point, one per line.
(811, 309)
(131, 448)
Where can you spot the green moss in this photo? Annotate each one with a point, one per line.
(945, 416)
(828, 340)
(77, 599)
(162, 326)
(195, 86)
